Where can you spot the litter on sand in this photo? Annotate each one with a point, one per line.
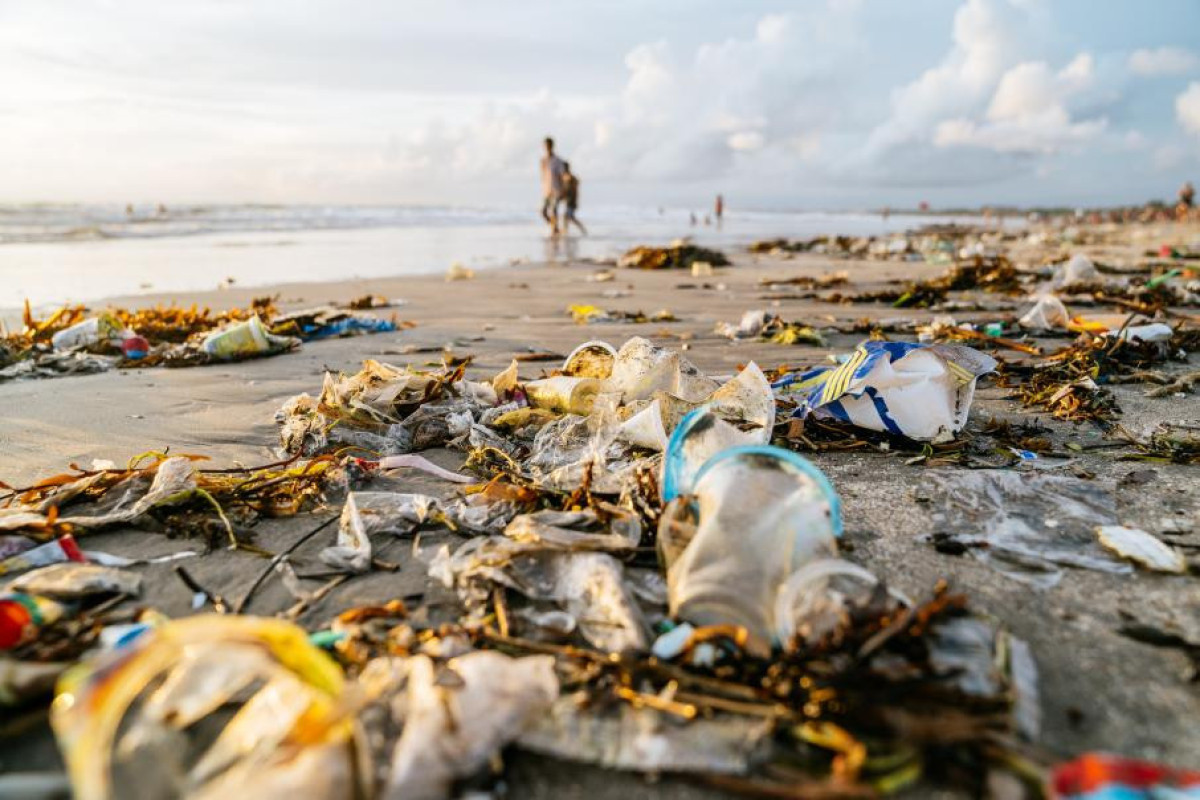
(615, 557)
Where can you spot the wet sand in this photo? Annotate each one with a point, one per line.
(1099, 690)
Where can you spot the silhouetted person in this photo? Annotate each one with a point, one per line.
(570, 195)
(552, 185)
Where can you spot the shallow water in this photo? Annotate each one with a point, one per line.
(57, 254)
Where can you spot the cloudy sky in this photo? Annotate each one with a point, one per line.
(830, 104)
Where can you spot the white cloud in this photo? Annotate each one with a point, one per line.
(1163, 61)
(984, 96)
(1028, 111)
(746, 141)
(1187, 108)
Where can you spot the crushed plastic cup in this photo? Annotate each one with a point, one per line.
(645, 428)
(92, 330)
(759, 514)
(592, 359)
(249, 337)
(563, 393)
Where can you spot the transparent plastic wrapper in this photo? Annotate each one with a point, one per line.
(921, 391)
(129, 721)
(452, 727)
(760, 513)
(563, 393)
(1048, 314)
(353, 551)
(1025, 525)
(1154, 332)
(247, 338)
(555, 567)
(645, 740)
(592, 359)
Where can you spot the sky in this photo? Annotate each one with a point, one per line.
(834, 104)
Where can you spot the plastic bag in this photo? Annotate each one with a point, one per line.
(1078, 270)
(920, 391)
(452, 727)
(760, 514)
(1047, 314)
(127, 721)
(1026, 525)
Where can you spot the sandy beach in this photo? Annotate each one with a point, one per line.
(1099, 690)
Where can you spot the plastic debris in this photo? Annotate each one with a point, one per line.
(1141, 548)
(248, 338)
(648, 740)
(126, 721)
(90, 331)
(1098, 776)
(458, 272)
(1026, 525)
(1047, 314)
(23, 615)
(923, 392)
(73, 581)
(64, 548)
(1079, 269)
(759, 514)
(457, 717)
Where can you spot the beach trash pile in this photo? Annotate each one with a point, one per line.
(72, 340)
(643, 582)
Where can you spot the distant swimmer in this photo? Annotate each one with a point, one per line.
(552, 185)
(570, 196)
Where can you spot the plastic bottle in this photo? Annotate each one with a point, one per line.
(22, 617)
(88, 332)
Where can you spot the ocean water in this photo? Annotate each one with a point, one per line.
(54, 254)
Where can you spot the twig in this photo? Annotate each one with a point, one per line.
(262, 576)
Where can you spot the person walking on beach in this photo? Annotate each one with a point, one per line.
(570, 195)
(552, 185)
(1187, 195)
(719, 209)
